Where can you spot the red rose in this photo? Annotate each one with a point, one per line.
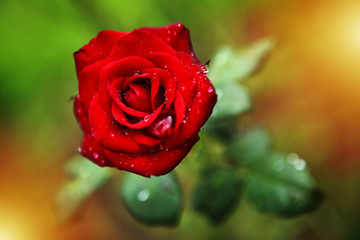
(143, 97)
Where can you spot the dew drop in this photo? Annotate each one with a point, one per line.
(143, 195)
(210, 90)
(96, 155)
(146, 118)
(112, 134)
(278, 165)
(79, 149)
(293, 158)
(132, 165)
(300, 165)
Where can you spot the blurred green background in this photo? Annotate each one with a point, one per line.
(307, 94)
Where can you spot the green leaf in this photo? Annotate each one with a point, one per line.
(153, 201)
(249, 146)
(230, 65)
(86, 178)
(282, 185)
(217, 194)
(232, 100)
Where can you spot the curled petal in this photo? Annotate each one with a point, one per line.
(81, 115)
(97, 49)
(176, 35)
(145, 43)
(180, 109)
(156, 163)
(115, 94)
(167, 82)
(108, 133)
(201, 110)
(185, 81)
(89, 82)
(121, 118)
(122, 67)
(91, 149)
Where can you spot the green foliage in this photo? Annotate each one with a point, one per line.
(249, 146)
(232, 101)
(281, 185)
(217, 194)
(153, 201)
(231, 65)
(85, 178)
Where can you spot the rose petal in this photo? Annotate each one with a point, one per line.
(115, 94)
(201, 110)
(153, 163)
(89, 82)
(91, 149)
(180, 109)
(176, 35)
(144, 139)
(167, 82)
(81, 115)
(185, 81)
(122, 67)
(121, 118)
(108, 133)
(98, 48)
(139, 43)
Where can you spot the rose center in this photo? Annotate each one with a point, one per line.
(138, 97)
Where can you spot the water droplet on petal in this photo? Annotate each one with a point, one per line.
(146, 118)
(132, 165)
(210, 90)
(112, 134)
(95, 155)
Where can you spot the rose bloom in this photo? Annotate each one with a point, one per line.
(143, 97)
